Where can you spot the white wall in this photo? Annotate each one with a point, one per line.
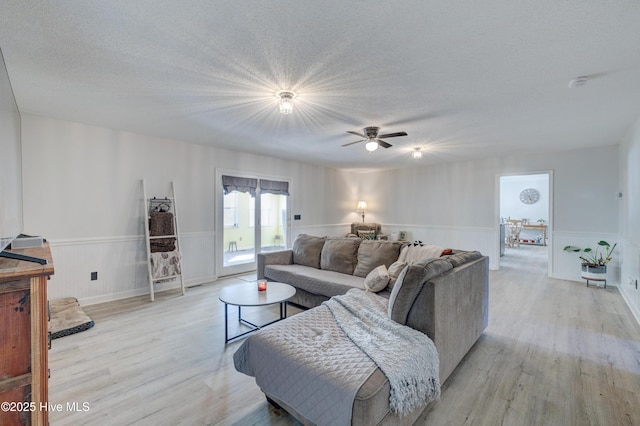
(455, 204)
(82, 191)
(512, 207)
(630, 218)
(10, 162)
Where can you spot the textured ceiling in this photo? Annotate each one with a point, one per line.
(464, 79)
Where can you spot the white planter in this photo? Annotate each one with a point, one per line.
(594, 273)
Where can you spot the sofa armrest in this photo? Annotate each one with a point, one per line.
(282, 257)
(453, 310)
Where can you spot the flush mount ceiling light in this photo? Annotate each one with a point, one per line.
(371, 146)
(417, 153)
(285, 105)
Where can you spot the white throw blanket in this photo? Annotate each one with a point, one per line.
(406, 356)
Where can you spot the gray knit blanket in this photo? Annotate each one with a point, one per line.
(406, 356)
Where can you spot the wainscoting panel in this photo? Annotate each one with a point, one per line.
(630, 272)
(198, 252)
(122, 270)
(332, 230)
(121, 266)
(566, 265)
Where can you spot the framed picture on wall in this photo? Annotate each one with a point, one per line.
(402, 236)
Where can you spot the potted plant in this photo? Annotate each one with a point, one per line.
(594, 262)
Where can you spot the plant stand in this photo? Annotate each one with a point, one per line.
(594, 273)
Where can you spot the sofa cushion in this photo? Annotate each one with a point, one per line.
(377, 279)
(394, 272)
(410, 283)
(316, 281)
(372, 254)
(307, 250)
(463, 257)
(340, 255)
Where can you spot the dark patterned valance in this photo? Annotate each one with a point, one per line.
(240, 184)
(274, 187)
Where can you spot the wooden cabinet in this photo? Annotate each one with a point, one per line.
(24, 338)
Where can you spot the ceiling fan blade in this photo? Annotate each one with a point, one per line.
(356, 133)
(351, 143)
(383, 144)
(393, 135)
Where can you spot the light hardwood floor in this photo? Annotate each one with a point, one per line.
(555, 353)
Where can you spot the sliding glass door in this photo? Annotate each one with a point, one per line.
(273, 221)
(239, 240)
(254, 218)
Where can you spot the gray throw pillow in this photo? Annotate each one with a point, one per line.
(394, 272)
(409, 285)
(377, 279)
(307, 250)
(374, 253)
(340, 255)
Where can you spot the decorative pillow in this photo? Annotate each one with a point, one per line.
(377, 279)
(394, 272)
(374, 253)
(307, 250)
(409, 285)
(367, 235)
(340, 255)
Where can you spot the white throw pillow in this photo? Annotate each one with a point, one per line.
(377, 279)
(394, 272)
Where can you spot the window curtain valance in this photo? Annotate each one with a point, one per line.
(240, 184)
(274, 187)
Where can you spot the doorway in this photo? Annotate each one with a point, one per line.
(525, 221)
(252, 217)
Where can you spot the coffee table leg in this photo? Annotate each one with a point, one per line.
(226, 325)
(283, 315)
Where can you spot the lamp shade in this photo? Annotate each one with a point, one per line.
(362, 206)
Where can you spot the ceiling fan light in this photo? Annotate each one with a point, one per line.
(417, 153)
(285, 104)
(371, 146)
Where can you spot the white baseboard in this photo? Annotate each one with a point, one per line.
(144, 291)
(632, 307)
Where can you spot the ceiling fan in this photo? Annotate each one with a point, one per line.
(370, 135)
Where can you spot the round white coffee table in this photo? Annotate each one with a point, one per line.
(248, 295)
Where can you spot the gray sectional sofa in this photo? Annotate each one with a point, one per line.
(443, 296)
(448, 300)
